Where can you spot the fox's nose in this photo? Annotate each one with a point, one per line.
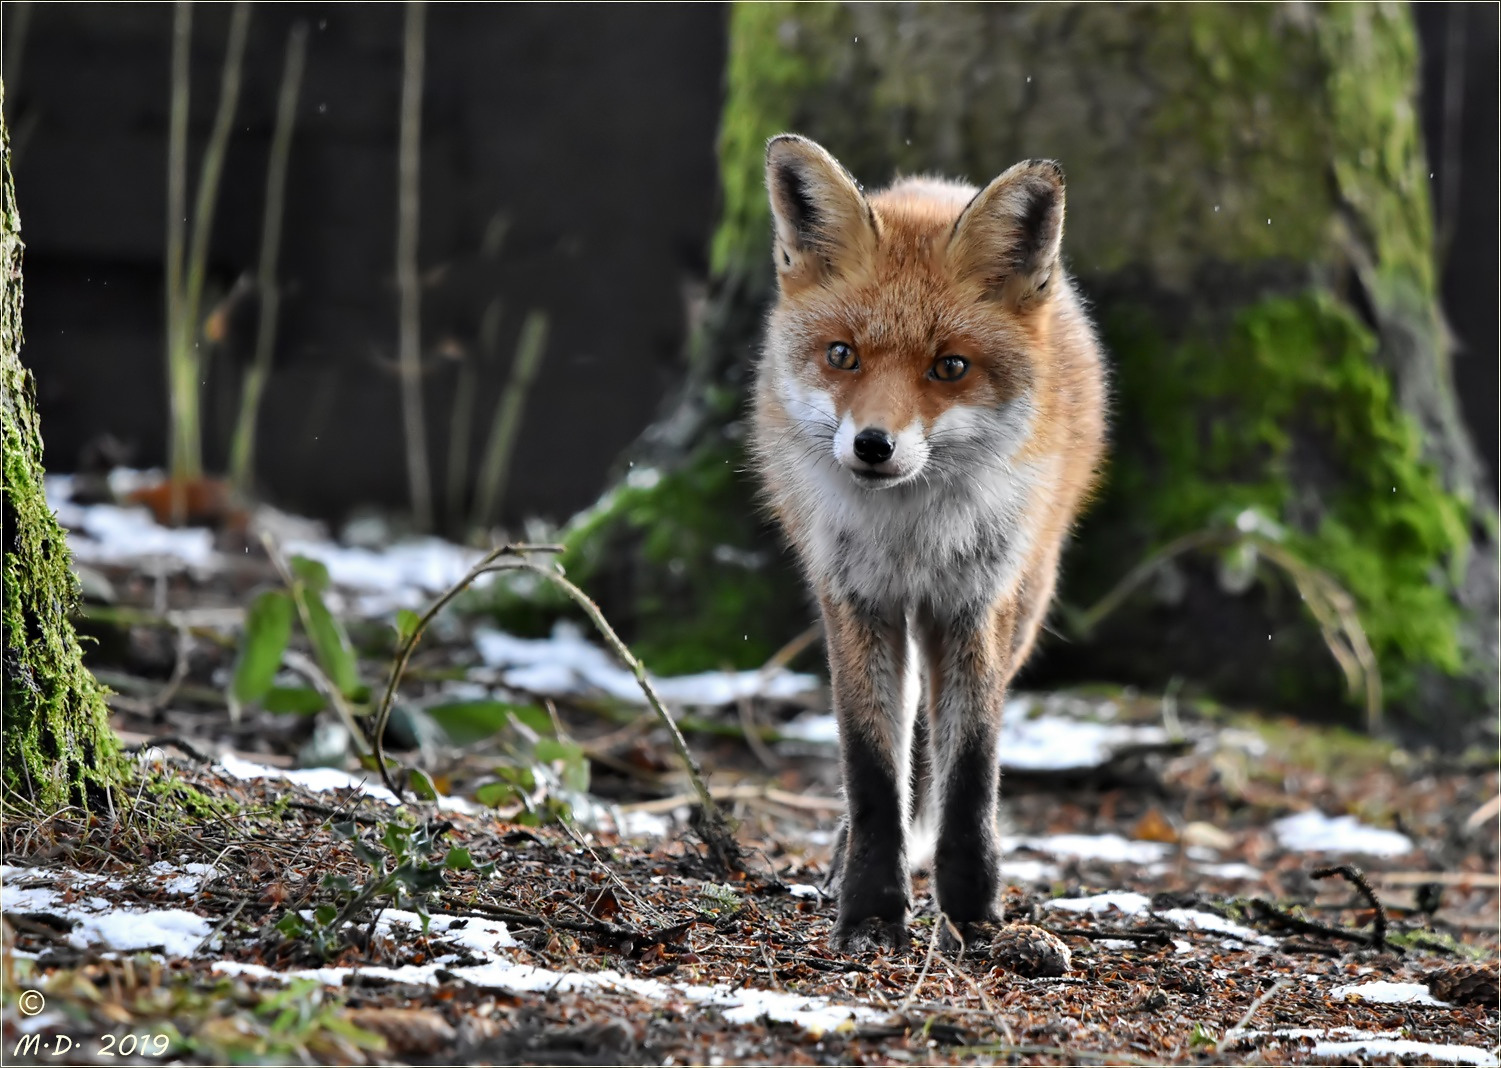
(873, 446)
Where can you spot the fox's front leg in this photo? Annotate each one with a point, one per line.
(970, 654)
(869, 662)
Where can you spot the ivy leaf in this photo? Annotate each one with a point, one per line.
(406, 624)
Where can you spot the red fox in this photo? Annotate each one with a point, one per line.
(929, 416)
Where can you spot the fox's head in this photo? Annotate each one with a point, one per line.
(912, 325)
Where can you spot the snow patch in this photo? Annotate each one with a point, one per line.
(742, 1005)
(326, 780)
(1121, 900)
(1314, 832)
(1387, 993)
(1055, 739)
(110, 534)
(185, 879)
(1133, 904)
(406, 574)
(1058, 743)
(1404, 1047)
(567, 663)
(1111, 848)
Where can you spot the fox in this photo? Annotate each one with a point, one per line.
(928, 418)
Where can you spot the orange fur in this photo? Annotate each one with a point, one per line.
(929, 418)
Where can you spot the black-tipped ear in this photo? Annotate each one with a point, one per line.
(1010, 234)
(823, 223)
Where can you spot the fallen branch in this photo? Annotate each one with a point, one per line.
(1356, 878)
(1282, 918)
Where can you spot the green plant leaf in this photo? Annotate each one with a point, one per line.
(293, 700)
(311, 573)
(535, 718)
(496, 794)
(406, 623)
(571, 756)
(331, 643)
(467, 722)
(268, 628)
(291, 925)
(423, 785)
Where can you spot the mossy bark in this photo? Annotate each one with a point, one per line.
(58, 747)
(1249, 215)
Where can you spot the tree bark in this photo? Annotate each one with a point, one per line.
(1248, 213)
(58, 747)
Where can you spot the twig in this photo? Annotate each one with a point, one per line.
(1099, 935)
(1487, 811)
(308, 668)
(646, 910)
(408, 284)
(758, 748)
(461, 412)
(1356, 877)
(242, 450)
(177, 222)
(219, 927)
(939, 922)
(497, 462)
(1283, 918)
(185, 279)
(179, 670)
(789, 652)
(1234, 1034)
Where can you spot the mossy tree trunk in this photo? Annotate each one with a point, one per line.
(1249, 215)
(58, 747)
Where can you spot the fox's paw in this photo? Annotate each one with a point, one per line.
(870, 933)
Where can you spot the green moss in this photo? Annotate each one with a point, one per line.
(1288, 411)
(1371, 55)
(769, 77)
(58, 748)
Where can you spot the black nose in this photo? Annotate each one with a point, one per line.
(874, 446)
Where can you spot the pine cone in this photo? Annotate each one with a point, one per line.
(1464, 984)
(1029, 951)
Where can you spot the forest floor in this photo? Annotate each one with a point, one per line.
(1168, 896)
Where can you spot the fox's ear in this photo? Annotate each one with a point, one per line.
(824, 224)
(1009, 235)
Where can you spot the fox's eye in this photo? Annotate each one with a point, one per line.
(842, 357)
(949, 368)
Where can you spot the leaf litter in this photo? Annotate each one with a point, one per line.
(1173, 861)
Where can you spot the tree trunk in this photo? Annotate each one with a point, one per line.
(1248, 213)
(58, 747)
